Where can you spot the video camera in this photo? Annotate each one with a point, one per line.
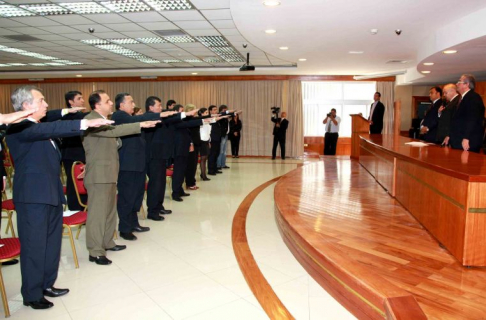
(275, 110)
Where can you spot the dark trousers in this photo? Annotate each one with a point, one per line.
(40, 235)
(330, 143)
(375, 130)
(180, 165)
(213, 156)
(278, 140)
(72, 199)
(131, 187)
(156, 186)
(235, 145)
(192, 167)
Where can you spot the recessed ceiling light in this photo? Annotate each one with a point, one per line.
(148, 60)
(271, 3)
(428, 63)
(212, 59)
(79, 75)
(179, 39)
(9, 11)
(425, 71)
(212, 41)
(302, 59)
(171, 60)
(16, 64)
(167, 5)
(449, 51)
(270, 31)
(194, 73)
(37, 64)
(85, 7)
(151, 40)
(95, 41)
(284, 48)
(124, 6)
(356, 52)
(124, 41)
(192, 60)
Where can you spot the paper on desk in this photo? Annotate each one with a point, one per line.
(416, 144)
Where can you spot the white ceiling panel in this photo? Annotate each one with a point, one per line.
(108, 35)
(70, 19)
(135, 47)
(235, 38)
(29, 30)
(7, 32)
(79, 36)
(195, 45)
(229, 32)
(50, 37)
(106, 18)
(223, 14)
(205, 32)
(158, 25)
(150, 16)
(223, 24)
(5, 23)
(163, 46)
(124, 27)
(139, 34)
(194, 25)
(198, 52)
(25, 1)
(59, 29)
(211, 4)
(36, 21)
(185, 15)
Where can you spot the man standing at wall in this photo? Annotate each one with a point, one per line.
(332, 133)
(376, 115)
(279, 134)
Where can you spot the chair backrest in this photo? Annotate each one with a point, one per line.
(76, 170)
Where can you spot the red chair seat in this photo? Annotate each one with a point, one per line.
(8, 205)
(10, 248)
(169, 173)
(64, 189)
(77, 218)
(146, 186)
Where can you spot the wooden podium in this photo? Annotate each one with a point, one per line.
(359, 124)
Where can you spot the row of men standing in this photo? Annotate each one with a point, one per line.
(459, 121)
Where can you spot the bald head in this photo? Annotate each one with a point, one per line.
(450, 91)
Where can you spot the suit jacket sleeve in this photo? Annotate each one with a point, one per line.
(189, 124)
(274, 119)
(52, 115)
(114, 131)
(150, 116)
(474, 117)
(284, 125)
(27, 131)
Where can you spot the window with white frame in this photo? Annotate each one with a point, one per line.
(346, 97)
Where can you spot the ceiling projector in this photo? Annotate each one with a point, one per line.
(247, 66)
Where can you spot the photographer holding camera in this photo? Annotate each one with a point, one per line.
(279, 132)
(332, 128)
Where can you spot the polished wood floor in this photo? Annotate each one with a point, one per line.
(365, 249)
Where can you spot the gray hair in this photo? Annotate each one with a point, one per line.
(470, 79)
(21, 95)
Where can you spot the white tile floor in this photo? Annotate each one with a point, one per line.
(184, 268)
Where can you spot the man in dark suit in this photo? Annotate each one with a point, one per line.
(467, 128)
(131, 177)
(72, 150)
(279, 134)
(376, 115)
(38, 194)
(215, 143)
(159, 149)
(428, 128)
(447, 112)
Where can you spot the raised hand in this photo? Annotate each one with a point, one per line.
(75, 109)
(149, 124)
(166, 114)
(192, 113)
(94, 123)
(15, 116)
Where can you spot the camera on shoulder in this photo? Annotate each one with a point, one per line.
(275, 110)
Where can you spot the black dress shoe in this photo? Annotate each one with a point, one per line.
(54, 292)
(118, 247)
(42, 303)
(219, 171)
(211, 174)
(127, 236)
(141, 229)
(205, 179)
(10, 263)
(184, 194)
(226, 167)
(164, 211)
(218, 168)
(101, 260)
(178, 199)
(155, 218)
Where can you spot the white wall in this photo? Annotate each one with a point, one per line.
(405, 94)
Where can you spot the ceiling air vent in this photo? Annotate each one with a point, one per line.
(22, 37)
(170, 33)
(395, 61)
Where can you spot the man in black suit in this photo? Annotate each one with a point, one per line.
(447, 112)
(131, 177)
(467, 128)
(159, 149)
(430, 123)
(279, 134)
(215, 143)
(72, 150)
(38, 194)
(376, 115)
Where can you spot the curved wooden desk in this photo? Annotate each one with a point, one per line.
(441, 187)
(367, 251)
